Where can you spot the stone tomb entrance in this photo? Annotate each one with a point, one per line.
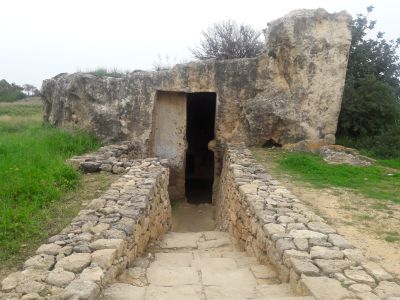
(184, 124)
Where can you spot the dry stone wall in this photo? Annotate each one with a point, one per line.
(272, 224)
(104, 238)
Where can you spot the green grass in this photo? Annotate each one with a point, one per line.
(391, 163)
(33, 173)
(372, 181)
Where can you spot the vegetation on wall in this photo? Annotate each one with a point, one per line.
(370, 115)
(229, 40)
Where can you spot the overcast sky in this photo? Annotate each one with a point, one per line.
(42, 38)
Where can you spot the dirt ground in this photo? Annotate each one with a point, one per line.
(188, 217)
(369, 224)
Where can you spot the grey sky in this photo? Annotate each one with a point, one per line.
(42, 38)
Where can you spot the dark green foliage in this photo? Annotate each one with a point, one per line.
(370, 115)
(10, 92)
(369, 108)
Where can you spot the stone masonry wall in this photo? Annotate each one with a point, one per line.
(272, 224)
(104, 238)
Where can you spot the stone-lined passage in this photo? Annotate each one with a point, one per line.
(198, 266)
(271, 223)
(101, 241)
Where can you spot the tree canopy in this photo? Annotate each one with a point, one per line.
(371, 99)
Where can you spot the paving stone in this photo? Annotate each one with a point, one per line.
(104, 258)
(359, 276)
(263, 271)
(339, 241)
(246, 261)
(76, 262)
(173, 259)
(213, 243)
(307, 234)
(325, 253)
(182, 292)
(180, 240)
(60, 277)
(123, 291)
(171, 276)
(387, 289)
(227, 278)
(271, 291)
(135, 276)
(376, 271)
(329, 266)
(320, 227)
(215, 235)
(230, 293)
(325, 288)
(41, 262)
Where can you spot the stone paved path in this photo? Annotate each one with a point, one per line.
(198, 265)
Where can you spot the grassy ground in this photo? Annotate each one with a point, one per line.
(34, 177)
(377, 181)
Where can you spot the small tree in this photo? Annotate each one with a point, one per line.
(29, 89)
(228, 40)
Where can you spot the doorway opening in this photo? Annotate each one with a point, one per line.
(199, 169)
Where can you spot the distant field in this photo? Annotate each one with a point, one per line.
(33, 175)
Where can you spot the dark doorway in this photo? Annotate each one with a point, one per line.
(199, 173)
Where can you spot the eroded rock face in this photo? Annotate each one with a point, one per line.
(290, 93)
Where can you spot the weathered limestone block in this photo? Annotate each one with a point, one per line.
(76, 262)
(81, 289)
(290, 93)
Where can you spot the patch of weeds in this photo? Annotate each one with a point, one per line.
(104, 72)
(347, 207)
(365, 217)
(392, 236)
(380, 206)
